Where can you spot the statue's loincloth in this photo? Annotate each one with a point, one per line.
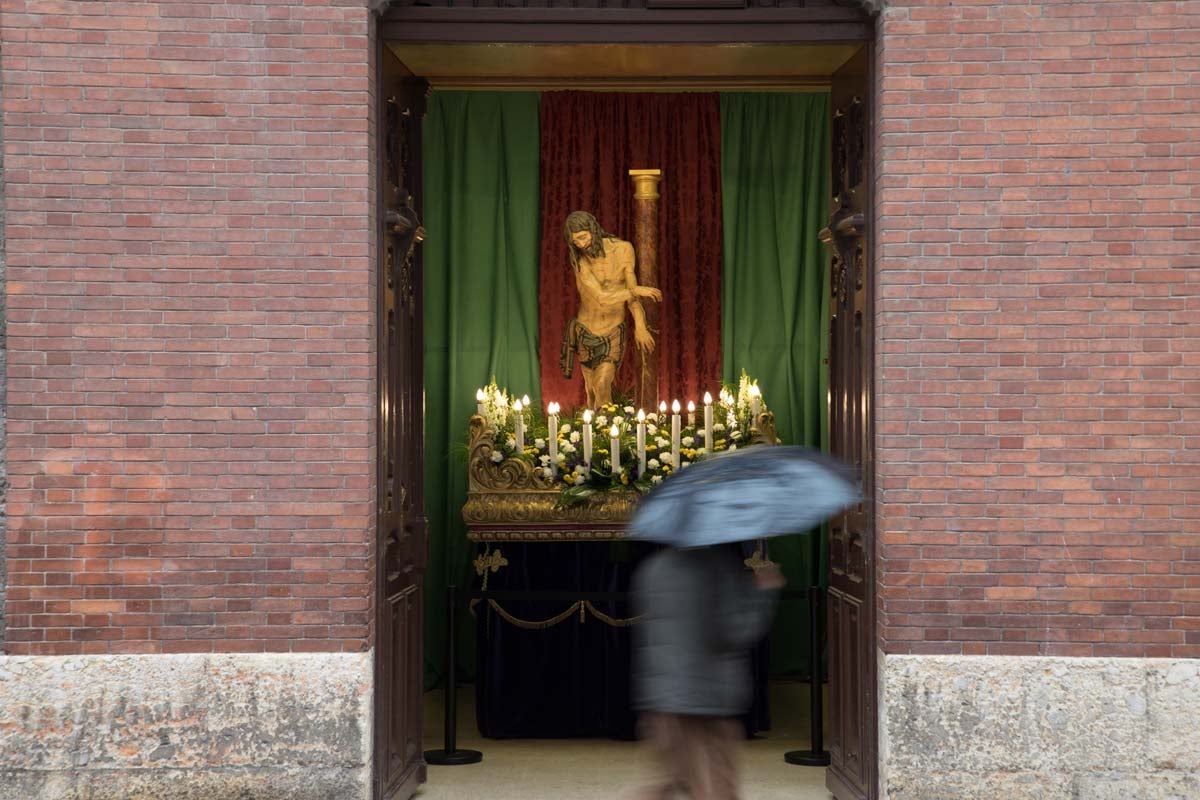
(590, 349)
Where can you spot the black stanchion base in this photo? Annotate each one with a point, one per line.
(807, 758)
(452, 758)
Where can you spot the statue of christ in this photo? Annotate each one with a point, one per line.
(604, 276)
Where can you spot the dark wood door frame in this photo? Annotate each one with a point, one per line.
(447, 25)
(853, 636)
(817, 24)
(400, 547)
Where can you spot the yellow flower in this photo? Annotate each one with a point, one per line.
(625, 478)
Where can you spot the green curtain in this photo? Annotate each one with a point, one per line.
(481, 319)
(774, 306)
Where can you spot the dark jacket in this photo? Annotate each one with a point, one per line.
(703, 613)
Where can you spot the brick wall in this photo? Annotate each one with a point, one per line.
(190, 326)
(1039, 326)
(3, 378)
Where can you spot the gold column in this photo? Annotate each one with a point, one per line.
(645, 243)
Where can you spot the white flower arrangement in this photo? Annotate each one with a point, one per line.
(629, 410)
(580, 479)
(652, 430)
(668, 458)
(540, 444)
(497, 456)
(511, 443)
(662, 443)
(566, 428)
(544, 460)
(656, 478)
(575, 437)
(601, 421)
(567, 447)
(653, 464)
(687, 441)
(718, 427)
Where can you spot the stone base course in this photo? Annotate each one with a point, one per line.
(186, 726)
(1029, 728)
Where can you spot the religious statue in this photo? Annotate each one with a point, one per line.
(604, 276)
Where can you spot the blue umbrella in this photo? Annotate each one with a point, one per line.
(745, 494)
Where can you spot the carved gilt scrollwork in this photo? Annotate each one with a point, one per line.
(513, 491)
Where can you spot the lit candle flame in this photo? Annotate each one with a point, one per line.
(707, 399)
(587, 416)
(675, 407)
(641, 415)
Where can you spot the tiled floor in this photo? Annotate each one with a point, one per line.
(600, 769)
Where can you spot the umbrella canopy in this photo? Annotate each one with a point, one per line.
(745, 494)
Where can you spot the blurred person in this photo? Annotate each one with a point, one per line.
(703, 610)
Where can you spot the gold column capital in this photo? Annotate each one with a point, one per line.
(645, 183)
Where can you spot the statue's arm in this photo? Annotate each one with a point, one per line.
(641, 332)
(626, 258)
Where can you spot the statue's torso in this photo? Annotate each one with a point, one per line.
(609, 272)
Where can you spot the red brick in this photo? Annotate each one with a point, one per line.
(149, 359)
(1088, 390)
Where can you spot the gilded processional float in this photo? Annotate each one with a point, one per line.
(572, 477)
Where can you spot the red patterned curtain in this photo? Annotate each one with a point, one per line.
(589, 142)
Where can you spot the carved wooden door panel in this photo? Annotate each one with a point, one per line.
(852, 719)
(400, 547)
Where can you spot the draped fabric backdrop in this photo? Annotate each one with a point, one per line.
(590, 141)
(775, 186)
(481, 315)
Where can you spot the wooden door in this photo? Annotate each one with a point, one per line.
(400, 548)
(851, 611)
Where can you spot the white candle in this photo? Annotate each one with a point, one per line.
(675, 434)
(691, 414)
(480, 399)
(755, 405)
(552, 426)
(587, 437)
(520, 424)
(641, 442)
(708, 422)
(615, 448)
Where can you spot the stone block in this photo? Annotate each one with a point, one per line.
(1039, 728)
(246, 725)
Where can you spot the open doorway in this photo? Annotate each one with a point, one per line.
(493, 65)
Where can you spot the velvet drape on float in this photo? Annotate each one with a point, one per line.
(590, 141)
(481, 314)
(775, 185)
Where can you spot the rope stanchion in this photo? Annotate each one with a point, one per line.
(818, 756)
(450, 755)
